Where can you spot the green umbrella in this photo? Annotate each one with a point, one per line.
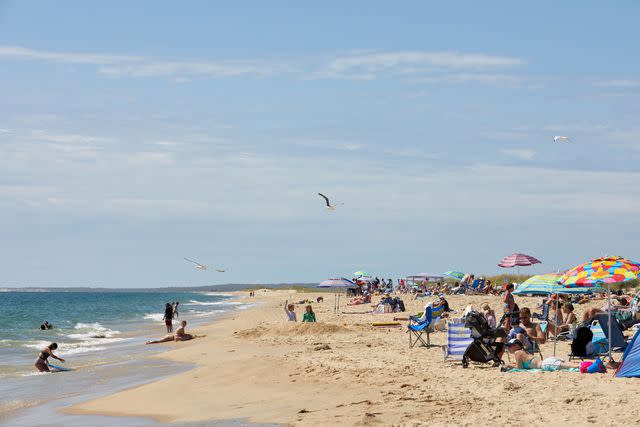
(361, 273)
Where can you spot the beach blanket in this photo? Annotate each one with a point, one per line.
(542, 370)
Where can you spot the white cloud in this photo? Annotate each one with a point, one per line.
(622, 83)
(18, 52)
(188, 68)
(522, 154)
(369, 64)
(141, 66)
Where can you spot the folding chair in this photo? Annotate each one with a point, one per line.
(458, 339)
(618, 343)
(419, 326)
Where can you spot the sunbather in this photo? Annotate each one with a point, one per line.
(180, 335)
(524, 360)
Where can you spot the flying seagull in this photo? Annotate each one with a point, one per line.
(199, 266)
(326, 200)
(560, 138)
(220, 270)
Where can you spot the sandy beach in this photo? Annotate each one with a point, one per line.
(255, 366)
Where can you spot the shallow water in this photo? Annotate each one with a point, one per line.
(101, 335)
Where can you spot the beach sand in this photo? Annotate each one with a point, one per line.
(342, 371)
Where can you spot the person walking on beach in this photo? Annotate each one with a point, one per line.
(168, 316)
(41, 361)
(289, 309)
(175, 309)
(309, 315)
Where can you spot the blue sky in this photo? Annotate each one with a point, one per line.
(133, 135)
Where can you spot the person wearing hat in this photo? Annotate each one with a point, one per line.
(524, 360)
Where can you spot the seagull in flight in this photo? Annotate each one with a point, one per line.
(220, 270)
(199, 266)
(326, 200)
(560, 138)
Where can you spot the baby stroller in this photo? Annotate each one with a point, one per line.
(484, 348)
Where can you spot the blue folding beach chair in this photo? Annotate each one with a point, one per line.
(458, 339)
(477, 285)
(600, 329)
(418, 326)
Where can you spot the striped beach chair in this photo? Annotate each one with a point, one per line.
(458, 339)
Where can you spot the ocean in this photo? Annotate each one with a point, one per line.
(100, 334)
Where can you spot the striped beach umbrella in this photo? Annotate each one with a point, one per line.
(547, 284)
(518, 260)
(458, 275)
(339, 282)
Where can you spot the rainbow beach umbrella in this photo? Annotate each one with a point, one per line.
(599, 271)
(606, 270)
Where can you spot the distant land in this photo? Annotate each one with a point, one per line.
(206, 288)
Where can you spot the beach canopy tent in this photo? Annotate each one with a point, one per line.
(424, 277)
(630, 365)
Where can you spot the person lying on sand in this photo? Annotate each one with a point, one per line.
(524, 360)
(180, 335)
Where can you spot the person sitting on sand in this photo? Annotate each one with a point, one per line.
(289, 309)
(41, 361)
(319, 300)
(524, 360)
(309, 315)
(180, 335)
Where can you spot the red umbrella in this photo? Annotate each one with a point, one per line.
(518, 260)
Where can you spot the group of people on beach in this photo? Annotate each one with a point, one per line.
(308, 316)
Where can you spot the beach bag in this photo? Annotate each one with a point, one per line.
(579, 343)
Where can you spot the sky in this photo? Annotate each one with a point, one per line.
(133, 134)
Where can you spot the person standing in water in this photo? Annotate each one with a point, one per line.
(168, 316)
(175, 309)
(41, 361)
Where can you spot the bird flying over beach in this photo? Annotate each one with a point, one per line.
(199, 266)
(220, 270)
(326, 200)
(560, 138)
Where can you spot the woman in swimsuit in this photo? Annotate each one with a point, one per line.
(41, 361)
(180, 335)
(526, 360)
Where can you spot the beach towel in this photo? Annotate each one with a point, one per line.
(542, 370)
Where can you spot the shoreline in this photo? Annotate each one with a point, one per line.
(254, 366)
(117, 367)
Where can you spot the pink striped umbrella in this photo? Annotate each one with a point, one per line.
(518, 260)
